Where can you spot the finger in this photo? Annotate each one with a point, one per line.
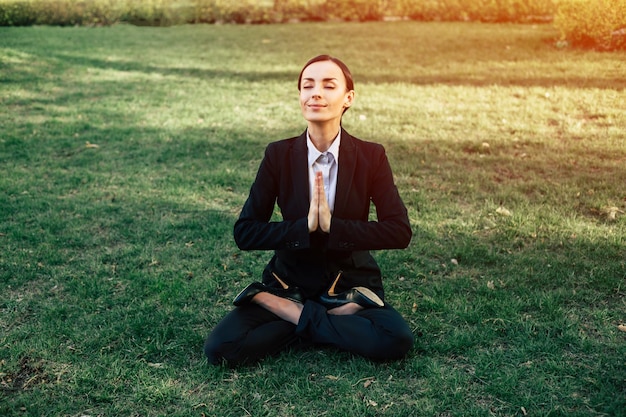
(324, 216)
(319, 180)
(322, 191)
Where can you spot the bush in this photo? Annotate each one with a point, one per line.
(93, 12)
(19, 13)
(478, 10)
(597, 24)
(355, 10)
(509, 10)
(163, 12)
(153, 12)
(58, 12)
(228, 11)
(84, 13)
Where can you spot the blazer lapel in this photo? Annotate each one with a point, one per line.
(347, 167)
(300, 174)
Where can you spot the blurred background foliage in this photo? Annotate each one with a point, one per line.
(599, 24)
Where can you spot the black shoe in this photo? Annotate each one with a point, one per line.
(290, 293)
(362, 296)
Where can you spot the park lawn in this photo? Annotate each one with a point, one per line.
(126, 153)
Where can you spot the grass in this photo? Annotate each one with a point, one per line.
(126, 153)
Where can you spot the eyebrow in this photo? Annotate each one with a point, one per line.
(324, 80)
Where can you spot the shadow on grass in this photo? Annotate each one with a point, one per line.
(491, 75)
(488, 62)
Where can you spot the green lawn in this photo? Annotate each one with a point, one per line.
(126, 153)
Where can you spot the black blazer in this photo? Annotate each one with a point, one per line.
(312, 260)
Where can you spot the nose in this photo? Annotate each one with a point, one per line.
(317, 91)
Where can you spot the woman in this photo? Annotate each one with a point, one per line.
(322, 286)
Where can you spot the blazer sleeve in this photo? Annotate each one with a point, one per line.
(254, 229)
(391, 229)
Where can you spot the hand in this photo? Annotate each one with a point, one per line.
(323, 208)
(319, 210)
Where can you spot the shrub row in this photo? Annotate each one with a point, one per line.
(164, 12)
(599, 24)
(89, 12)
(479, 10)
(591, 23)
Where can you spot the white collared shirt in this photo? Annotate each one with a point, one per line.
(329, 170)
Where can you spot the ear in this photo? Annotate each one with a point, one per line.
(349, 100)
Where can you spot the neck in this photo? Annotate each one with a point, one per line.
(323, 136)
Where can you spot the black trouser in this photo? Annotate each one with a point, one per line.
(250, 332)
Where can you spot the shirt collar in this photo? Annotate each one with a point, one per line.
(314, 153)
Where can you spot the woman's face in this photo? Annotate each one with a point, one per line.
(323, 92)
